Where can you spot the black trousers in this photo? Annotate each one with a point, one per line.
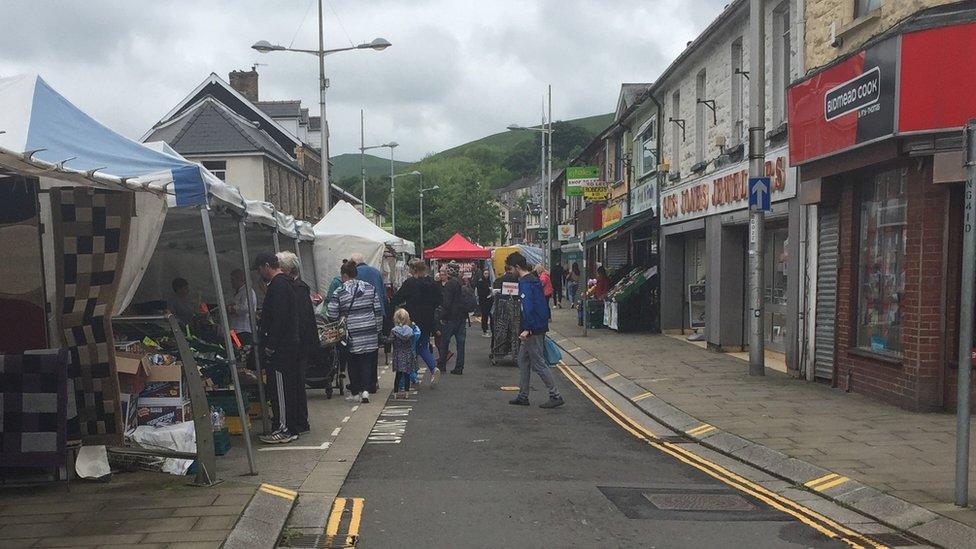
(301, 395)
(285, 386)
(359, 368)
(557, 294)
(485, 316)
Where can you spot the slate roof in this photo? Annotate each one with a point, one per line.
(209, 127)
(281, 109)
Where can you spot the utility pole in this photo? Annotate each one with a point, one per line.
(362, 155)
(393, 196)
(324, 124)
(757, 157)
(964, 380)
(547, 199)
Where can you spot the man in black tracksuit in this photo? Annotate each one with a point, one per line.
(279, 336)
(308, 334)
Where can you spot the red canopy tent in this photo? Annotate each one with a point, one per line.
(457, 247)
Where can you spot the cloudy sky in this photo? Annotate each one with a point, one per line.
(458, 69)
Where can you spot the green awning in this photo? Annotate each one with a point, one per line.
(616, 226)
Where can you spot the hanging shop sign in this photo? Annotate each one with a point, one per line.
(611, 214)
(596, 192)
(915, 82)
(566, 232)
(578, 177)
(644, 197)
(726, 190)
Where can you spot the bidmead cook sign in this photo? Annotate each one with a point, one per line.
(725, 190)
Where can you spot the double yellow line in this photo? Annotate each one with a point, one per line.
(826, 482)
(822, 524)
(278, 491)
(353, 507)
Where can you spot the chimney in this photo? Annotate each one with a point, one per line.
(246, 83)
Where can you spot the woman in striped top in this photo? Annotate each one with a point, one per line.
(359, 304)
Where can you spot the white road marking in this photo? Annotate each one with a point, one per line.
(335, 432)
(323, 446)
(354, 408)
(391, 425)
(345, 419)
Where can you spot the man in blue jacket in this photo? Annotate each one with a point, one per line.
(535, 324)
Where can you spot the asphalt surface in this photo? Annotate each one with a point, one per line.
(457, 466)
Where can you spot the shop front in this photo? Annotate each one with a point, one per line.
(878, 141)
(704, 258)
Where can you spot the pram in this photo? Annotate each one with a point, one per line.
(326, 369)
(506, 319)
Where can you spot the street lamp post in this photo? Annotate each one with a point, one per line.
(362, 152)
(377, 44)
(422, 191)
(393, 190)
(546, 130)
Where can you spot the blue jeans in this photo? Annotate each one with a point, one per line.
(458, 330)
(423, 344)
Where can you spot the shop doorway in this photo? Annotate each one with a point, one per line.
(775, 278)
(695, 270)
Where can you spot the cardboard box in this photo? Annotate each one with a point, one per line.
(129, 418)
(164, 382)
(133, 371)
(159, 412)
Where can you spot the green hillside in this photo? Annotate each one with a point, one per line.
(347, 165)
(507, 141)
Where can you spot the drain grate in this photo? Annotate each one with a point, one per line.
(703, 503)
(895, 539)
(320, 541)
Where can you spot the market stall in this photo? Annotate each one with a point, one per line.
(97, 238)
(533, 256)
(344, 231)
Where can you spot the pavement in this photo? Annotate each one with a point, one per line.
(155, 510)
(903, 460)
(457, 466)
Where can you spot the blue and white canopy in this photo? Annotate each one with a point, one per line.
(44, 134)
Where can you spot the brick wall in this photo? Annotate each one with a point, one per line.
(916, 381)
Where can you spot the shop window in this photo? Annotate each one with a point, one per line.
(217, 167)
(781, 63)
(677, 133)
(618, 159)
(881, 269)
(864, 7)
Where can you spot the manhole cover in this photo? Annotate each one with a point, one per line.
(699, 502)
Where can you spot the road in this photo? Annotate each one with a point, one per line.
(456, 466)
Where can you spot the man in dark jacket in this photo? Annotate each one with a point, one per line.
(421, 296)
(279, 336)
(308, 334)
(535, 324)
(454, 321)
(484, 303)
(557, 274)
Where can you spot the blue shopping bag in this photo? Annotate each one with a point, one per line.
(552, 352)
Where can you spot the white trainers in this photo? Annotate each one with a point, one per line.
(365, 397)
(435, 376)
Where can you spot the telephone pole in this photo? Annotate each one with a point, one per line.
(757, 157)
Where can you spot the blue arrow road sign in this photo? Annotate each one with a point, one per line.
(759, 190)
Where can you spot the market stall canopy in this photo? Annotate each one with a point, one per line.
(533, 255)
(344, 231)
(457, 247)
(305, 231)
(42, 133)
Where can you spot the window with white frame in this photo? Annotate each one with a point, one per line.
(677, 134)
(217, 167)
(700, 116)
(781, 60)
(647, 148)
(864, 7)
(737, 83)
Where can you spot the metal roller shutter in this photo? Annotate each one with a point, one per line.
(617, 252)
(826, 317)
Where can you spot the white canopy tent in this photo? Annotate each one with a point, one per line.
(344, 231)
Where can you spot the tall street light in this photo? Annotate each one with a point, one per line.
(422, 191)
(393, 191)
(362, 156)
(546, 130)
(377, 44)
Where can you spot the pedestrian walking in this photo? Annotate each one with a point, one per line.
(280, 339)
(484, 303)
(572, 284)
(421, 296)
(372, 276)
(359, 303)
(454, 320)
(308, 335)
(543, 274)
(557, 275)
(535, 324)
(404, 358)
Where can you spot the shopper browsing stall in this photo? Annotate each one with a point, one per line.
(359, 303)
(308, 335)
(280, 339)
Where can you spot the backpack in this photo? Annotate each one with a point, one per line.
(469, 301)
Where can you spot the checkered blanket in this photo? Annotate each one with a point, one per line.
(33, 404)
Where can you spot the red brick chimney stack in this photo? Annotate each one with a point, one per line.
(246, 83)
